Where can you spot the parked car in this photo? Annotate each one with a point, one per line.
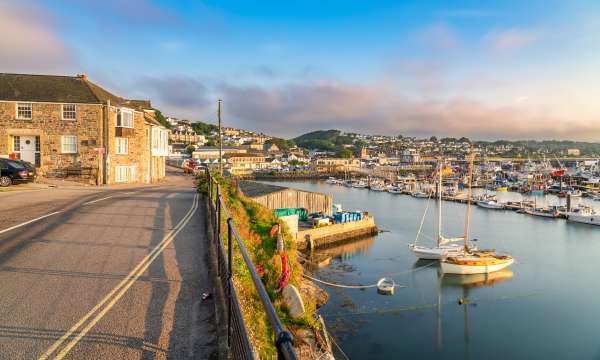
(15, 172)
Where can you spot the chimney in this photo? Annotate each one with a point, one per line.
(82, 76)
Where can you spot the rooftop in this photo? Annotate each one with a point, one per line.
(60, 89)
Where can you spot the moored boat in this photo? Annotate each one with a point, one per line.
(476, 263)
(473, 261)
(490, 204)
(584, 215)
(543, 212)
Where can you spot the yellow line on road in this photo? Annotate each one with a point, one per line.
(119, 290)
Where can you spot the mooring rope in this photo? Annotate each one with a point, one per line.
(340, 285)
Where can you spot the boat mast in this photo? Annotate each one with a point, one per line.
(439, 237)
(469, 194)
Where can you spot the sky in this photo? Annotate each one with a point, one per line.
(481, 69)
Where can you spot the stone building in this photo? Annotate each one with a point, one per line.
(72, 128)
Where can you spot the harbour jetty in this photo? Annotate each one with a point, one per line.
(310, 216)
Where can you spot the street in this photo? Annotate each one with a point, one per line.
(106, 273)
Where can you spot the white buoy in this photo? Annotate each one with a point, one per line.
(385, 286)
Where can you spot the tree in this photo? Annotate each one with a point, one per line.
(433, 139)
(161, 119)
(210, 142)
(190, 149)
(282, 144)
(343, 153)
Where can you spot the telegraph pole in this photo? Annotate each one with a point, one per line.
(220, 139)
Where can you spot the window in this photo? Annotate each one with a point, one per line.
(69, 112)
(16, 143)
(122, 146)
(121, 173)
(69, 144)
(24, 111)
(125, 118)
(125, 173)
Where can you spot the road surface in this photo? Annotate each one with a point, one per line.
(105, 274)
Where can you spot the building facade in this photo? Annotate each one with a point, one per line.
(71, 128)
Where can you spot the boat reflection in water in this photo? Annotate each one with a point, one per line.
(466, 282)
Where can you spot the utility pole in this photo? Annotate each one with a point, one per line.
(220, 139)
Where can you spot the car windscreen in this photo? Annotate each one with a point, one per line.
(16, 165)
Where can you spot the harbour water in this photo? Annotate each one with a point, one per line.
(547, 306)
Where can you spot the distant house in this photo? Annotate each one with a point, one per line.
(573, 152)
(243, 163)
(68, 126)
(271, 148)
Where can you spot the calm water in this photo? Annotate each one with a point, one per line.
(547, 306)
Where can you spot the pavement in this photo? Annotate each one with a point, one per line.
(106, 273)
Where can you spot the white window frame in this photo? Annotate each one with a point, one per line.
(125, 173)
(122, 146)
(66, 147)
(121, 174)
(30, 110)
(74, 112)
(120, 115)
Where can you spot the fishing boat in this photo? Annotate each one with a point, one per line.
(519, 205)
(360, 184)
(445, 246)
(332, 181)
(377, 187)
(395, 190)
(420, 194)
(473, 261)
(490, 204)
(585, 215)
(543, 212)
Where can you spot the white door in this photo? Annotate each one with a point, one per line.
(28, 148)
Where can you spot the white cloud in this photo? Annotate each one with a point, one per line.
(512, 39)
(30, 42)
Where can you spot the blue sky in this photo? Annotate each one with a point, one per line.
(485, 69)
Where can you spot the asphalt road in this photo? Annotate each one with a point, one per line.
(114, 274)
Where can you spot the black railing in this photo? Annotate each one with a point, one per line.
(237, 334)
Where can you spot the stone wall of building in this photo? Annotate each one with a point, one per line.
(138, 148)
(47, 123)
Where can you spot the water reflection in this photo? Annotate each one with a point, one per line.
(466, 282)
(348, 250)
(476, 280)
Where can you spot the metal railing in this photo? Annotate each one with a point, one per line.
(237, 334)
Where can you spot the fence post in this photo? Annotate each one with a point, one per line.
(229, 279)
(218, 229)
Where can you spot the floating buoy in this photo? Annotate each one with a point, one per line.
(385, 286)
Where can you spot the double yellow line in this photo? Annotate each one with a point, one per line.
(74, 334)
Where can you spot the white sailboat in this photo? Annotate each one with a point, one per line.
(472, 261)
(445, 246)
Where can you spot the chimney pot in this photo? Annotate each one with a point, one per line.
(82, 76)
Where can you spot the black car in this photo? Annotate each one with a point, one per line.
(15, 172)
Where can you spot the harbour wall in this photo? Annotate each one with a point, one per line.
(331, 234)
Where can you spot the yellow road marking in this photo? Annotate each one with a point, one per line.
(123, 286)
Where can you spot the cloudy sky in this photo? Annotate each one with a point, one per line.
(483, 69)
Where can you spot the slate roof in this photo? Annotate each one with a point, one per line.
(255, 189)
(56, 88)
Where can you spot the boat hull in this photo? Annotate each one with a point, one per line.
(450, 268)
(592, 220)
(437, 253)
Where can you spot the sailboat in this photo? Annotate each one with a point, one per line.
(445, 246)
(472, 261)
